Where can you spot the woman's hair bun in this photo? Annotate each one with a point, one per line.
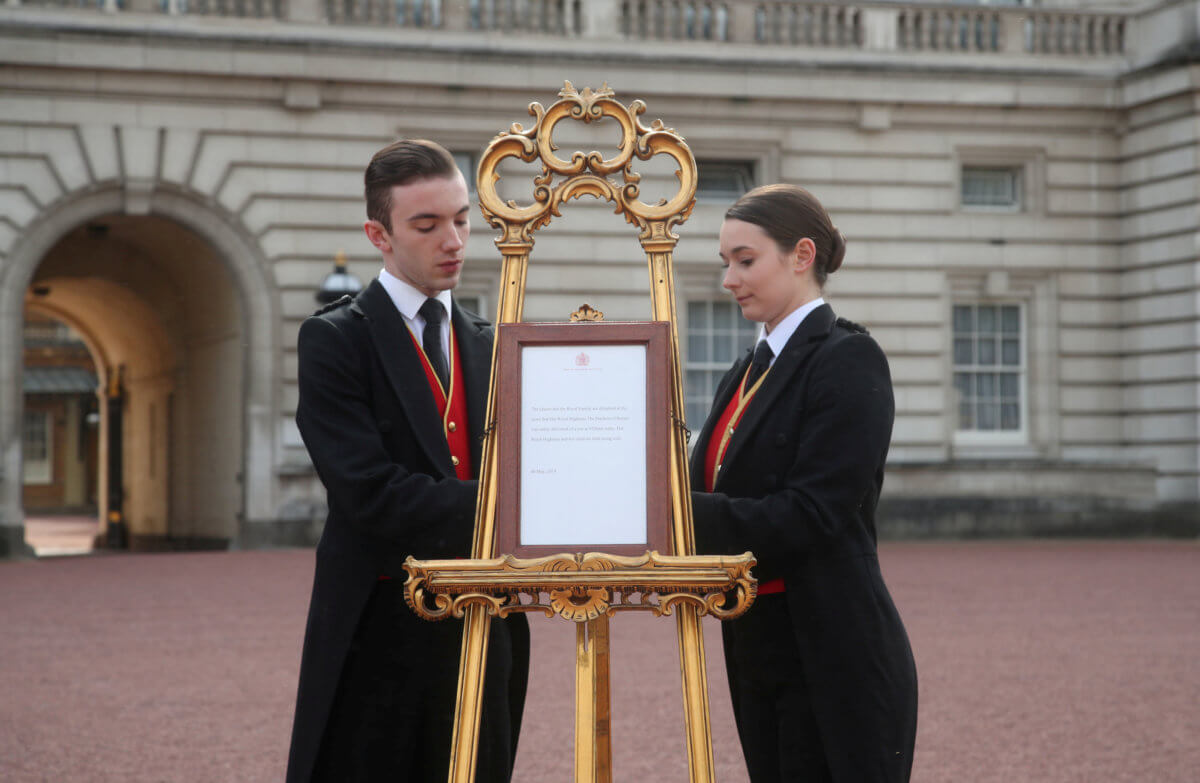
(837, 250)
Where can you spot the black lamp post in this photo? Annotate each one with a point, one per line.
(339, 282)
(117, 536)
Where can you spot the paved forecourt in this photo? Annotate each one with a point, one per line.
(1038, 660)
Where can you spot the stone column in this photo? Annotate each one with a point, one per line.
(601, 19)
(741, 23)
(456, 15)
(1012, 33)
(568, 18)
(305, 11)
(12, 522)
(879, 28)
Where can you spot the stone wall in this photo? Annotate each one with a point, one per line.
(255, 133)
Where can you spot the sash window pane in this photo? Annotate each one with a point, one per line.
(985, 186)
(717, 336)
(988, 377)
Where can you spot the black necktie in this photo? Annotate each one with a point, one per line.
(431, 339)
(760, 363)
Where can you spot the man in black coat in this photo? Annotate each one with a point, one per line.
(393, 396)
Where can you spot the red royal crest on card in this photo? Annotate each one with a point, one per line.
(582, 360)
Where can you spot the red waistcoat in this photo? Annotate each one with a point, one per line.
(718, 443)
(454, 414)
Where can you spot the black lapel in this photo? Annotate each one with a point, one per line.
(725, 391)
(475, 353)
(800, 346)
(402, 364)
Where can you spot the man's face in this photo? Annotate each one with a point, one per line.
(429, 233)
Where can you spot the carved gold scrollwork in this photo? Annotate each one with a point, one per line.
(586, 173)
(586, 313)
(579, 604)
(581, 587)
(587, 588)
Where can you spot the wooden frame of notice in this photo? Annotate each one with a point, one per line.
(566, 398)
(587, 587)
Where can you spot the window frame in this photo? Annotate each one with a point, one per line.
(1028, 165)
(751, 167)
(37, 471)
(472, 299)
(1013, 205)
(716, 366)
(472, 160)
(992, 437)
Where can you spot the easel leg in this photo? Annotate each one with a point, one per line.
(695, 695)
(469, 704)
(593, 725)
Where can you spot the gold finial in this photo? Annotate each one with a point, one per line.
(339, 259)
(586, 313)
(588, 96)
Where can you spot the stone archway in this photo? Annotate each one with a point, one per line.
(177, 297)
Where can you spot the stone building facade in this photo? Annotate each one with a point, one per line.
(1019, 186)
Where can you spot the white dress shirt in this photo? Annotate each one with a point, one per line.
(783, 331)
(408, 301)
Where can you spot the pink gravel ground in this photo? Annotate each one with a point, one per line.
(1039, 661)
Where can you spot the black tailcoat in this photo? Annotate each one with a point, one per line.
(371, 426)
(798, 486)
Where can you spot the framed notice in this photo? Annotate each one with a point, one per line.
(583, 431)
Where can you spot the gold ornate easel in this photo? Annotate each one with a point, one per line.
(590, 587)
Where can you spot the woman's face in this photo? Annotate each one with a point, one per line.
(767, 283)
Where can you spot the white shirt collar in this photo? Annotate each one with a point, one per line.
(408, 300)
(784, 330)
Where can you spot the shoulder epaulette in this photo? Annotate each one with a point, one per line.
(850, 326)
(345, 299)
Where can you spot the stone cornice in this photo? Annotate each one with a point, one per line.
(212, 47)
(271, 34)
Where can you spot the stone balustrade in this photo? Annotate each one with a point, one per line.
(560, 17)
(878, 26)
(807, 24)
(1053, 32)
(675, 20)
(955, 29)
(255, 9)
(555, 17)
(1014, 30)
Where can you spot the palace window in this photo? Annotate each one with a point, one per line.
(991, 186)
(36, 447)
(467, 164)
(717, 334)
(470, 301)
(724, 180)
(989, 368)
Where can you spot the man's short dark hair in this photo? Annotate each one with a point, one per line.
(399, 163)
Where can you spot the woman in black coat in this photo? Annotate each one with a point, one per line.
(789, 466)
